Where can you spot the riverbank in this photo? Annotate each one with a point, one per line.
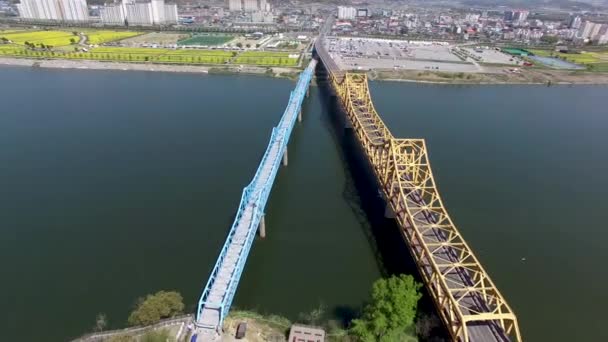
(495, 76)
(194, 69)
(260, 328)
(527, 76)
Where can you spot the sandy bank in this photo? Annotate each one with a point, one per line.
(99, 65)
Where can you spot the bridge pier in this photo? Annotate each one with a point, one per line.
(347, 123)
(285, 158)
(263, 226)
(300, 116)
(388, 211)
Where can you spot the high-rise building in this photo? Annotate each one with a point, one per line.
(248, 5)
(155, 12)
(586, 29)
(575, 22)
(63, 10)
(112, 14)
(346, 12)
(235, 5)
(520, 15)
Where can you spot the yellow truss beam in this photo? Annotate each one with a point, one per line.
(463, 292)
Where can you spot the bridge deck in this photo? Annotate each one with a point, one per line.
(221, 286)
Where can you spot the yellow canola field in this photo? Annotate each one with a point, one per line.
(104, 36)
(53, 38)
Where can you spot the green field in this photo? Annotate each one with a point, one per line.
(103, 36)
(594, 61)
(125, 54)
(269, 58)
(180, 56)
(53, 38)
(206, 40)
(265, 54)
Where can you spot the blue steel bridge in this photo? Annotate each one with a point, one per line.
(214, 303)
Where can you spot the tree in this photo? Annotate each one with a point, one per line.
(72, 41)
(549, 39)
(153, 308)
(101, 321)
(391, 312)
(239, 45)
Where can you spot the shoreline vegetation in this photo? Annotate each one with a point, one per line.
(155, 67)
(390, 314)
(536, 76)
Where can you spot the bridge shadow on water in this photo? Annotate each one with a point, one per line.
(362, 193)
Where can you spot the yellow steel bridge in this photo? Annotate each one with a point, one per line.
(467, 300)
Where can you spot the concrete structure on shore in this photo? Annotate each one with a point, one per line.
(305, 333)
(154, 12)
(61, 10)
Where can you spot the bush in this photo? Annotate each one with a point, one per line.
(155, 307)
(390, 315)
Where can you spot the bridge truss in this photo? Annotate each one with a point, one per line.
(468, 302)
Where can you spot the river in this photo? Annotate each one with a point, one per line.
(118, 184)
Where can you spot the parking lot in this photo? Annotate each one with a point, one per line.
(356, 63)
(384, 48)
(492, 56)
(370, 54)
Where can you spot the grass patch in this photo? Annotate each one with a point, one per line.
(124, 55)
(264, 54)
(275, 321)
(180, 56)
(575, 57)
(599, 67)
(218, 53)
(206, 40)
(266, 58)
(105, 36)
(136, 51)
(53, 38)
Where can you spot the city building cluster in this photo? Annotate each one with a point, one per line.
(63, 10)
(485, 25)
(130, 12)
(521, 26)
